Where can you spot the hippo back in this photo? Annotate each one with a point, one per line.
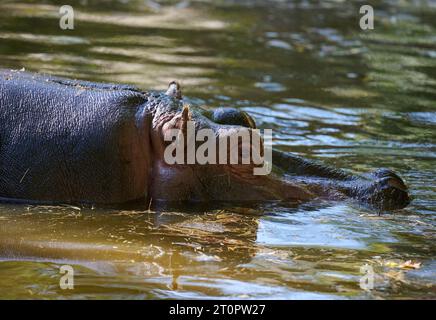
(71, 141)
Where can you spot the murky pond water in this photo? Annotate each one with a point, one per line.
(357, 99)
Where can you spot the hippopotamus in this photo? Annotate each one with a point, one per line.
(68, 141)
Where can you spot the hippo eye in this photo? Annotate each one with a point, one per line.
(233, 116)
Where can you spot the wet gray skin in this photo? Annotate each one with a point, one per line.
(67, 141)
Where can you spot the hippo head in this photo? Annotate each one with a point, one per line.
(206, 156)
(192, 162)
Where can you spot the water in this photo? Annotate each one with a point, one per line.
(357, 100)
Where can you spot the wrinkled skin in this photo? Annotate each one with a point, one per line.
(65, 141)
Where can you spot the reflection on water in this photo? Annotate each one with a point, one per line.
(360, 100)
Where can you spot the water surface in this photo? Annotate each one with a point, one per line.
(357, 99)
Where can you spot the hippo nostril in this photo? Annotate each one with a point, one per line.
(390, 178)
(397, 184)
(388, 191)
(381, 173)
(394, 196)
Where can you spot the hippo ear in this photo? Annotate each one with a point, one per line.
(186, 116)
(174, 90)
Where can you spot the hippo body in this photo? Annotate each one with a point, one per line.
(67, 141)
(55, 136)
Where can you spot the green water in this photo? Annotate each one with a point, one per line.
(356, 99)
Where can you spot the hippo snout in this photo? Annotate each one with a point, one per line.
(388, 191)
